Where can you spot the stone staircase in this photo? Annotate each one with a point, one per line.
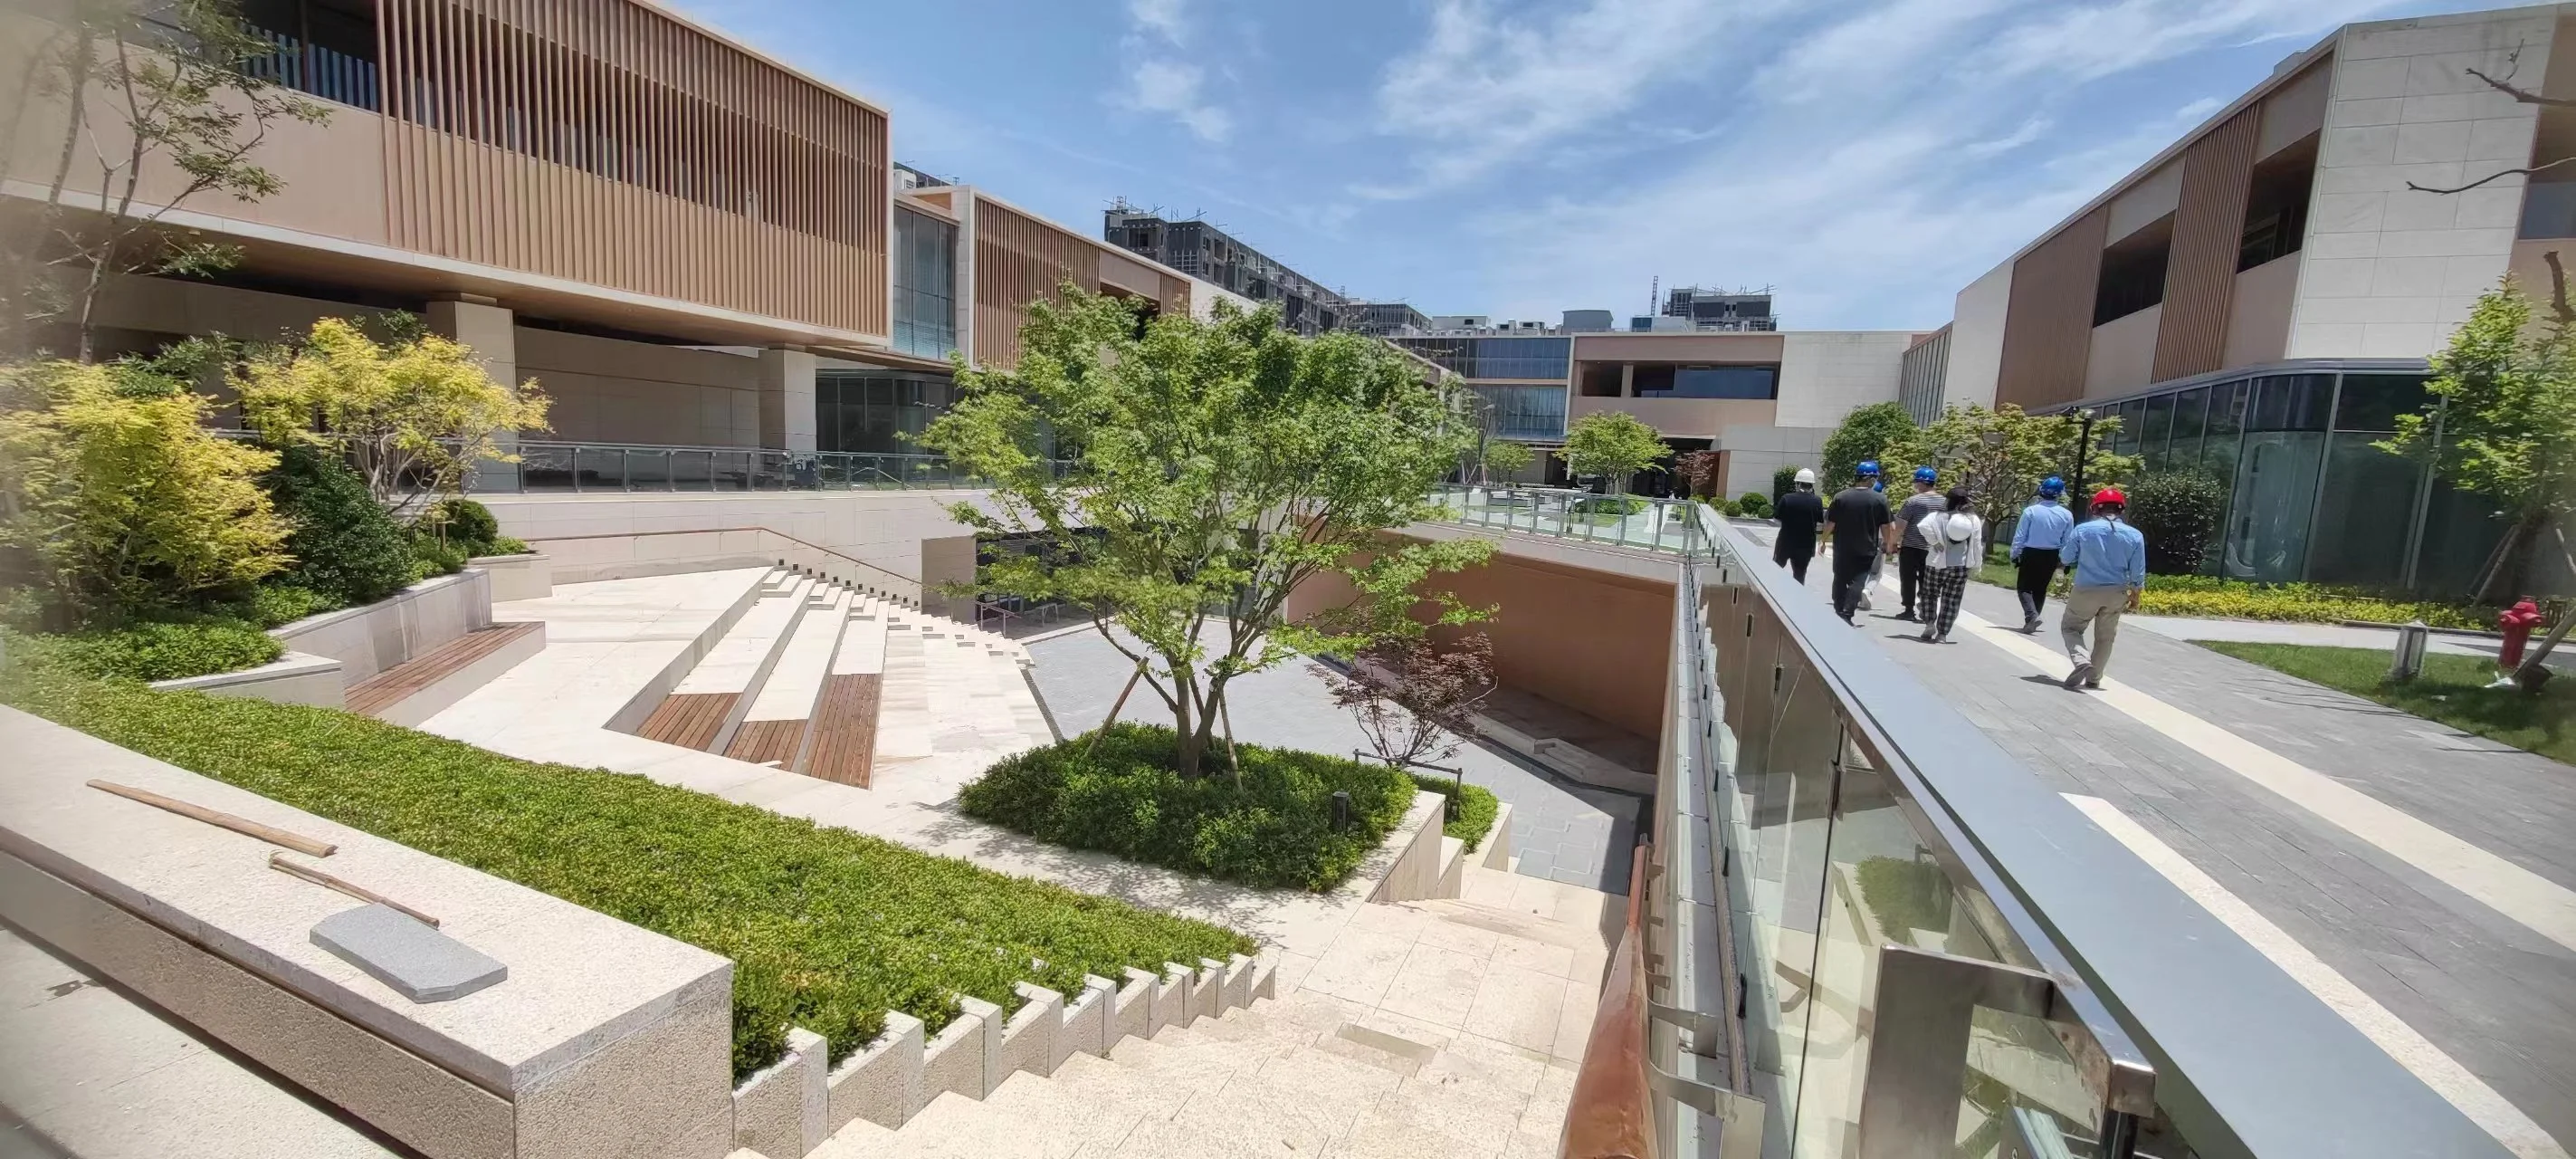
(843, 683)
(1305, 1073)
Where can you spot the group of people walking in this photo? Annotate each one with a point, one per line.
(1938, 539)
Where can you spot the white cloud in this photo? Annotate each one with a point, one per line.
(1882, 160)
(1160, 17)
(1485, 89)
(1173, 89)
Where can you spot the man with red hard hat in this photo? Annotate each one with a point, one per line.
(2108, 559)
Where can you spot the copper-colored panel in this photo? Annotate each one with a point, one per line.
(1018, 260)
(845, 730)
(604, 142)
(688, 719)
(2200, 271)
(762, 741)
(2048, 321)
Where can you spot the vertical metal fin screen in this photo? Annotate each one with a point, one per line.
(600, 141)
(2048, 319)
(2209, 228)
(1019, 260)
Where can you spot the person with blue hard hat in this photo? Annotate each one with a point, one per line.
(1913, 549)
(2037, 538)
(1863, 529)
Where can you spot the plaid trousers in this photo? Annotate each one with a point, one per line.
(1942, 589)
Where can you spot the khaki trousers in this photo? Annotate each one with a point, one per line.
(2098, 609)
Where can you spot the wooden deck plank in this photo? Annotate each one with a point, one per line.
(845, 723)
(761, 741)
(393, 685)
(689, 719)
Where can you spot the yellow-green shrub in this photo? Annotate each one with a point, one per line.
(115, 503)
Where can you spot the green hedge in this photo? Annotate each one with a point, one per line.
(1273, 828)
(2214, 598)
(1471, 809)
(152, 650)
(828, 929)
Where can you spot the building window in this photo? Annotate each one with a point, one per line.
(2276, 204)
(925, 285)
(1712, 382)
(1524, 412)
(876, 412)
(2133, 272)
(323, 47)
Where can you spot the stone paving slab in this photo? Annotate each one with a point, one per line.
(2490, 992)
(1561, 831)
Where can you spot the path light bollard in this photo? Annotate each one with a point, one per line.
(1341, 810)
(2408, 661)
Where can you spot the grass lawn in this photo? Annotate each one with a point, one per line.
(2451, 691)
(828, 929)
(2213, 598)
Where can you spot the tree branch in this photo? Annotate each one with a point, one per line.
(2558, 288)
(2491, 177)
(2526, 96)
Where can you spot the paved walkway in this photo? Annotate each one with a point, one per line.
(2322, 635)
(2421, 880)
(1562, 831)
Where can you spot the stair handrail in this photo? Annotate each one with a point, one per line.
(902, 582)
(1611, 1113)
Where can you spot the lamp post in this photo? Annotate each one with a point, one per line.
(2083, 456)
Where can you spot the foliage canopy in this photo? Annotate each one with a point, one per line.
(1862, 435)
(2000, 455)
(1212, 467)
(1611, 445)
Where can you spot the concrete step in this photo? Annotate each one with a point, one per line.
(703, 709)
(774, 727)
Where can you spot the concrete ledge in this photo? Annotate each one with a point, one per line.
(524, 576)
(1134, 1015)
(1413, 872)
(1172, 997)
(1584, 765)
(1207, 989)
(1495, 851)
(1453, 867)
(783, 1110)
(1237, 989)
(373, 637)
(879, 1084)
(957, 1060)
(1027, 1041)
(1085, 1029)
(294, 678)
(411, 710)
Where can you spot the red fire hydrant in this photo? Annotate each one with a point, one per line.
(2517, 622)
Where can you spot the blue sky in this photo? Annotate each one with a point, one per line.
(1516, 157)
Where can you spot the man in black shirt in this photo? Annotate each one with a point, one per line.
(1862, 528)
(1801, 512)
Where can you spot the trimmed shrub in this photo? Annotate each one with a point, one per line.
(1753, 505)
(346, 546)
(1470, 811)
(1271, 828)
(431, 557)
(1783, 481)
(153, 651)
(827, 928)
(2178, 512)
(463, 522)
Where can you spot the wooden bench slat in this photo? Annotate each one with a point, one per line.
(393, 685)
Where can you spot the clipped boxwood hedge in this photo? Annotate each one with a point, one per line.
(154, 650)
(1272, 828)
(1470, 812)
(827, 928)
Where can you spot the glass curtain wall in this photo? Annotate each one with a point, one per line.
(877, 412)
(925, 285)
(2310, 497)
(1525, 412)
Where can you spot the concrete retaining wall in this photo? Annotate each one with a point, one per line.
(370, 638)
(294, 678)
(526, 576)
(1416, 871)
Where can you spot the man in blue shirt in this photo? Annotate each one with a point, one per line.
(2109, 560)
(2037, 535)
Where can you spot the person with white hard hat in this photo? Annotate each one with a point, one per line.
(1801, 512)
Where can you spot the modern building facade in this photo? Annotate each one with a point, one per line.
(2296, 245)
(1199, 249)
(1384, 319)
(684, 241)
(1694, 308)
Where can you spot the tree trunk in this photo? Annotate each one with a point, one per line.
(2512, 557)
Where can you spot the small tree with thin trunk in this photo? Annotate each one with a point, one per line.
(1504, 459)
(1698, 470)
(143, 107)
(1611, 445)
(2000, 455)
(1211, 468)
(1415, 699)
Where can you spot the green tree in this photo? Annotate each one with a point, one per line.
(1783, 481)
(136, 108)
(120, 502)
(2000, 455)
(1611, 445)
(1863, 435)
(2500, 420)
(1215, 466)
(2178, 511)
(1504, 459)
(412, 415)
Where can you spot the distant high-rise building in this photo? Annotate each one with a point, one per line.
(1384, 318)
(1200, 249)
(1720, 309)
(1586, 321)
